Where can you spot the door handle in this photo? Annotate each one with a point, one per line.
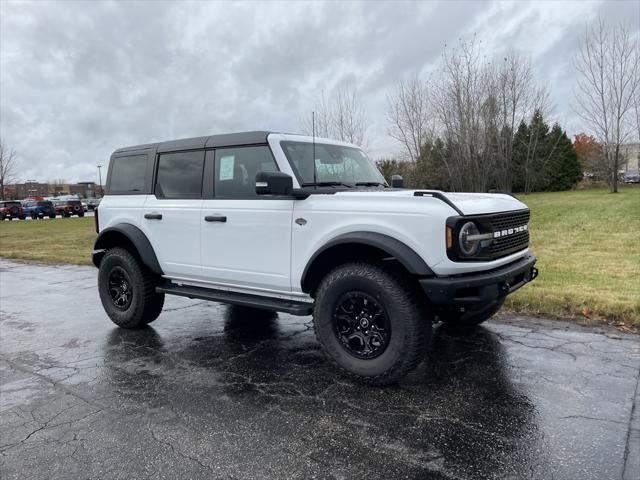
(153, 216)
(215, 218)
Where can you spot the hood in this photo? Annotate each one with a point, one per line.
(467, 203)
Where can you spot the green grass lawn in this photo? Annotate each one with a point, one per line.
(587, 243)
(62, 240)
(588, 248)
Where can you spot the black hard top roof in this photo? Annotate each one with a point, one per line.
(224, 140)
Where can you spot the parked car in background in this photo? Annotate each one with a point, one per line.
(66, 208)
(631, 177)
(39, 209)
(92, 203)
(11, 209)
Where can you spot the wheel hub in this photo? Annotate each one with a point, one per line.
(361, 324)
(120, 289)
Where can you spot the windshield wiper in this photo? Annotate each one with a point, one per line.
(371, 184)
(326, 184)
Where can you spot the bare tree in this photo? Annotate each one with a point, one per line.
(8, 168)
(339, 116)
(410, 116)
(322, 113)
(609, 69)
(517, 97)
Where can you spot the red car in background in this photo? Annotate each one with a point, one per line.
(66, 208)
(11, 210)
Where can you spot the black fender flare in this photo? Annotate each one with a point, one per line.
(135, 236)
(413, 262)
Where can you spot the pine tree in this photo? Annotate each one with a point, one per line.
(563, 168)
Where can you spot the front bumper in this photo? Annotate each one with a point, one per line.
(478, 288)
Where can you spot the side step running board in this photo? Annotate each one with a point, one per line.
(242, 299)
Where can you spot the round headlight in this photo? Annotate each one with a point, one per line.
(469, 246)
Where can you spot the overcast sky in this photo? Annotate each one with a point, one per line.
(80, 79)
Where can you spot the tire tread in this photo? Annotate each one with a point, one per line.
(411, 306)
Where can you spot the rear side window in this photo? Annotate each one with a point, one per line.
(128, 174)
(180, 175)
(236, 168)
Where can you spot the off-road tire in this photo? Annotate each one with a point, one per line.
(22, 217)
(406, 312)
(145, 305)
(52, 215)
(81, 214)
(34, 216)
(66, 215)
(470, 319)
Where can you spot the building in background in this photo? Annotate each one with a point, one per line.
(32, 189)
(630, 153)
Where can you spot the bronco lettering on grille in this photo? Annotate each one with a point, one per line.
(510, 231)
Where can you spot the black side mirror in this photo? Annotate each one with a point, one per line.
(397, 181)
(273, 183)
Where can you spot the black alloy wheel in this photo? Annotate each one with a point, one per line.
(361, 324)
(120, 289)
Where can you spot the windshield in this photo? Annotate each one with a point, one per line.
(333, 164)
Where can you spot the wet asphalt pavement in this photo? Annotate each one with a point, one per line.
(214, 392)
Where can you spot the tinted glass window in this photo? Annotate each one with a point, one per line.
(180, 175)
(236, 168)
(127, 174)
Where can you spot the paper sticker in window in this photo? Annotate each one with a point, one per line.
(226, 167)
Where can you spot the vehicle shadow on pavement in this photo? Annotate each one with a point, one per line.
(460, 408)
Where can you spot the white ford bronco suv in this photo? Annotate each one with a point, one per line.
(305, 226)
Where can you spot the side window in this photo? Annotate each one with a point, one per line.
(127, 174)
(236, 168)
(180, 175)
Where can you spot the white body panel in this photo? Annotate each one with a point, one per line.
(176, 237)
(261, 249)
(121, 209)
(252, 248)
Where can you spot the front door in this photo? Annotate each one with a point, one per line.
(171, 217)
(246, 239)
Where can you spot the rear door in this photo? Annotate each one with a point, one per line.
(171, 216)
(246, 238)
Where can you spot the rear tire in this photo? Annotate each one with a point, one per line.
(468, 320)
(127, 289)
(371, 322)
(81, 214)
(53, 215)
(34, 216)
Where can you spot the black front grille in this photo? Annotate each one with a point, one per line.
(511, 242)
(503, 221)
(513, 228)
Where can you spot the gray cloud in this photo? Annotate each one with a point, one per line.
(79, 79)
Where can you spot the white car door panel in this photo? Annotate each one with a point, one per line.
(172, 215)
(251, 248)
(173, 228)
(246, 238)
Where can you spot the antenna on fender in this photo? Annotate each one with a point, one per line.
(313, 133)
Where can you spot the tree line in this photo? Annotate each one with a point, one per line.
(478, 123)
